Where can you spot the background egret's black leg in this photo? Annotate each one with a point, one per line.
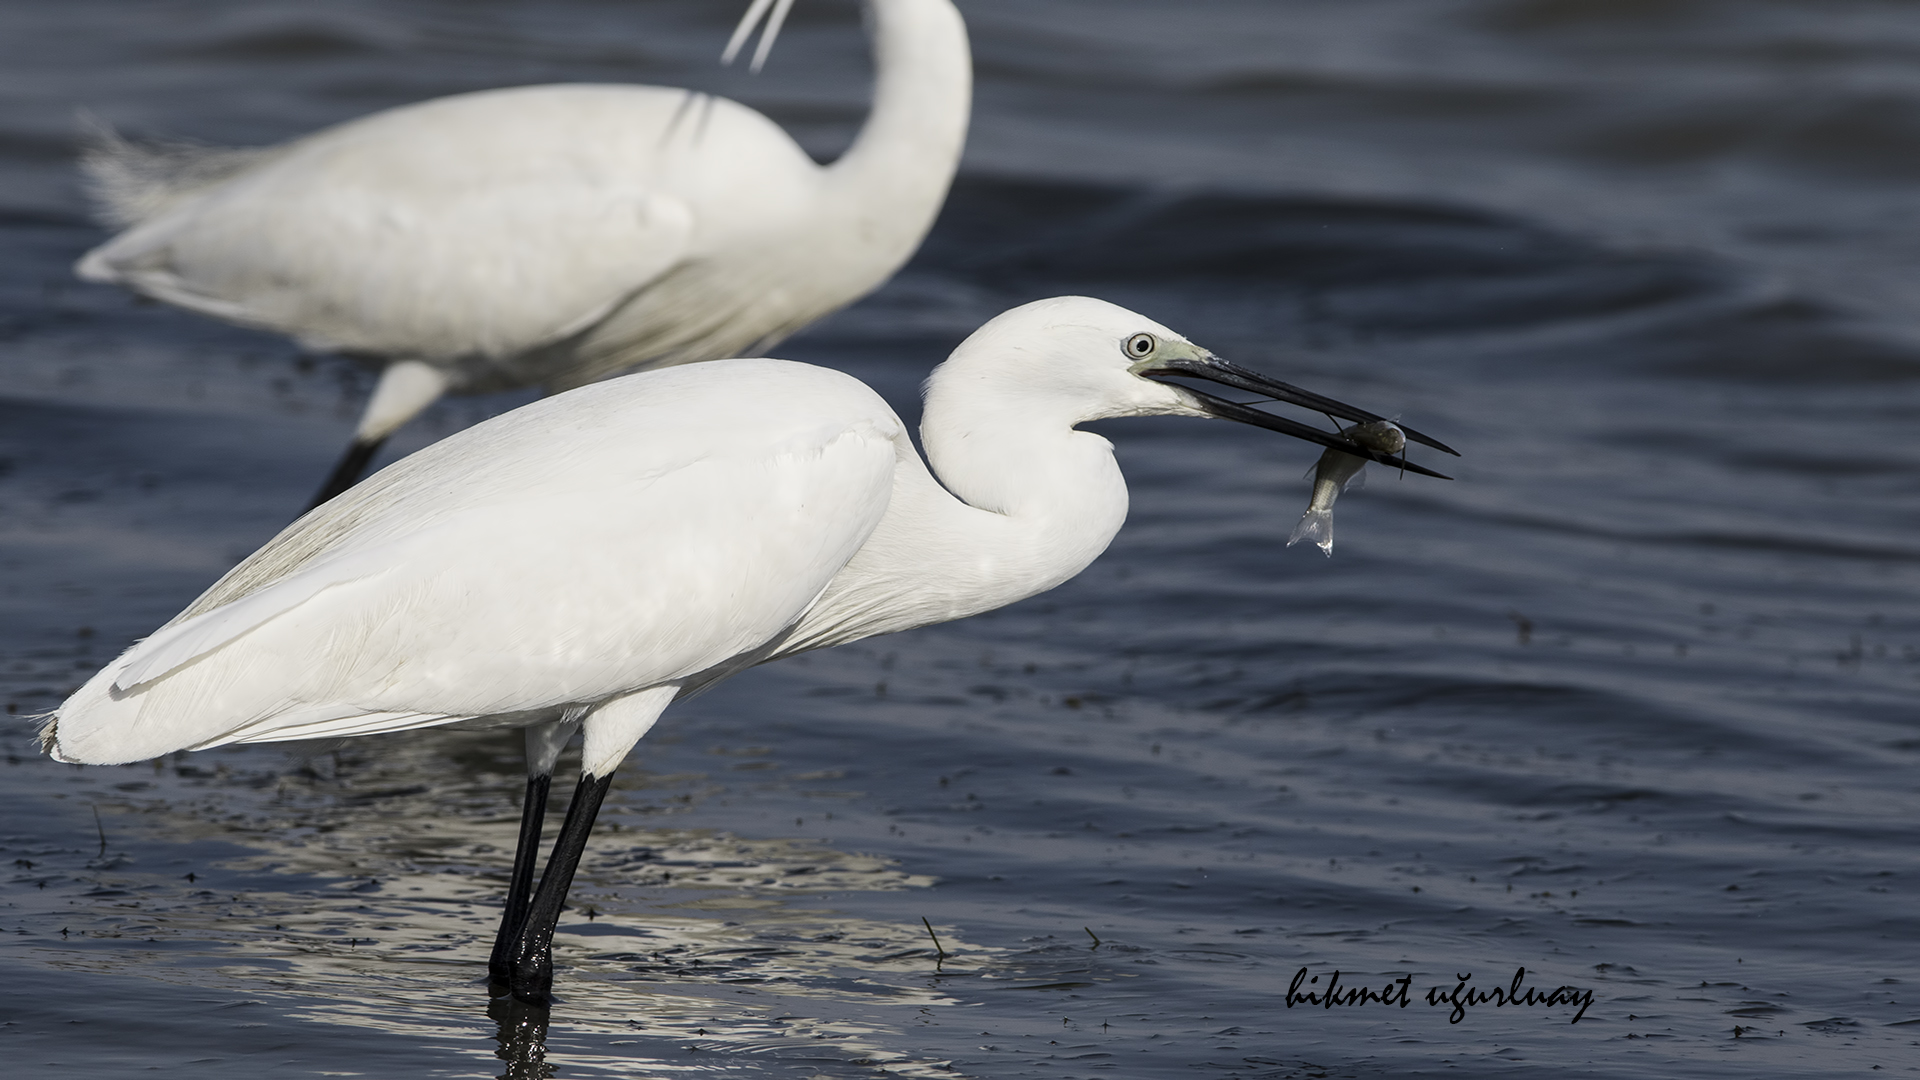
(405, 388)
(533, 814)
(530, 974)
(352, 464)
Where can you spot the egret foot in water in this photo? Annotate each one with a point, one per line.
(529, 963)
(544, 742)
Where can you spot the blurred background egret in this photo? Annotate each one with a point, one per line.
(543, 235)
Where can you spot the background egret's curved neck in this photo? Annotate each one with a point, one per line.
(923, 90)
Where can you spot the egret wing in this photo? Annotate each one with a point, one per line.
(625, 535)
(183, 641)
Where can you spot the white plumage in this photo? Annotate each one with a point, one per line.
(547, 235)
(663, 528)
(667, 527)
(589, 545)
(590, 557)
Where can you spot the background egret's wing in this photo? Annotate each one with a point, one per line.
(484, 225)
(487, 272)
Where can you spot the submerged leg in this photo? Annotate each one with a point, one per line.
(544, 742)
(405, 388)
(611, 731)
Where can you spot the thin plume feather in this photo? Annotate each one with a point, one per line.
(745, 30)
(774, 23)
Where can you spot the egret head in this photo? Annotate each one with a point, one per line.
(1084, 359)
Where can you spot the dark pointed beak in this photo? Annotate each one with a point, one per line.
(1213, 369)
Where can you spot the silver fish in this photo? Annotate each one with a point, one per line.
(1332, 475)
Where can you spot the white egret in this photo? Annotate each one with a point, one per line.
(546, 235)
(586, 559)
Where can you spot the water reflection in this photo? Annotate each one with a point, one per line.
(349, 898)
(522, 1038)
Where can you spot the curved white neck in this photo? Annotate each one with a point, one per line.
(1032, 501)
(1028, 502)
(906, 153)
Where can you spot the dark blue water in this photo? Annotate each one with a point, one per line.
(1629, 704)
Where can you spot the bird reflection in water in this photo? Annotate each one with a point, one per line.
(522, 1037)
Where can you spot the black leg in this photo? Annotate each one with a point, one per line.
(347, 473)
(530, 967)
(533, 814)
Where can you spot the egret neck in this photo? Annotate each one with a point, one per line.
(905, 154)
(1023, 501)
(1033, 502)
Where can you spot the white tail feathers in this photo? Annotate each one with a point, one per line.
(132, 182)
(1317, 526)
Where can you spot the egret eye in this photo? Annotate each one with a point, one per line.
(1140, 346)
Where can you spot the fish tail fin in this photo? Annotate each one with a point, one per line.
(1317, 526)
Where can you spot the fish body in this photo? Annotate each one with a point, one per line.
(1332, 475)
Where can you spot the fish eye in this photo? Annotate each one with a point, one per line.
(1141, 346)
